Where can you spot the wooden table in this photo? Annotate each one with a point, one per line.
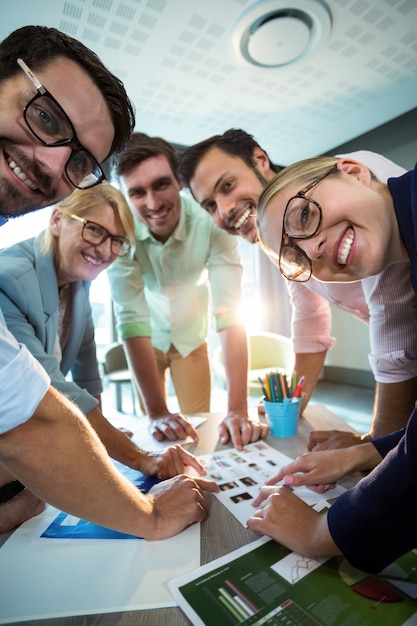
(220, 533)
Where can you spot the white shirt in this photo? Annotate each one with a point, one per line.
(23, 382)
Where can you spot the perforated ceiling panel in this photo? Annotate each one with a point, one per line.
(178, 65)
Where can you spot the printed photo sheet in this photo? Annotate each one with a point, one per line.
(240, 475)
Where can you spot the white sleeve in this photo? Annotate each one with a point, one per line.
(23, 381)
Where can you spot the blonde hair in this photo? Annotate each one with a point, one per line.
(299, 173)
(83, 200)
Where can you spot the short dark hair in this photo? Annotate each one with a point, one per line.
(38, 46)
(142, 147)
(234, 141)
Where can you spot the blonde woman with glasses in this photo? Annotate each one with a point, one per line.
(332, 219)
(44, 296)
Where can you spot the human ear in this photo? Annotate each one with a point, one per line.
(260, 160)
(55, 222)
(355, 169)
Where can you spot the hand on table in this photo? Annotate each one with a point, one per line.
(172, 426)
(169, 462)
(241, 429)
(332, 439)
(288, 520)
(179, 502)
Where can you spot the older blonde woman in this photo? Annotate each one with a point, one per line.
(44, 284)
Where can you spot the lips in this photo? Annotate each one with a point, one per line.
(345, 246)
(21, 175)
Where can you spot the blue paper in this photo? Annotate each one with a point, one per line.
(61, 529)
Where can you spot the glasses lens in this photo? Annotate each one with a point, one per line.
(83, 170)
(302, 218)
(48, 121)
(95, 234)
(51, 125)
(120, 246)
(294, 264)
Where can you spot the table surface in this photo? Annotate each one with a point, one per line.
(221, 532)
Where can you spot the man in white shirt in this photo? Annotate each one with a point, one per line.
(53, 139)
(226, 175)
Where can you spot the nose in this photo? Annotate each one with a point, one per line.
(313, 247)
(104, 249)
(52, 160)
(152, 202)
(224, 209)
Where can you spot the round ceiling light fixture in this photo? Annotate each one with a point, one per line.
(276, 33)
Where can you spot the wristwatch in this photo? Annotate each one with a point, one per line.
(9, 491)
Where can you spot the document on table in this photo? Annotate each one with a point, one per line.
(141, 434)
(82, 568)
(240, 475)
(264, 583)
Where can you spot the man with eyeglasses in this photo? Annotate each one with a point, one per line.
(226, 174)
(52, 139)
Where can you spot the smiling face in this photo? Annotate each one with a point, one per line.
(75, 259)
(154, 194)
(358, 235)
(228, 189)
(32, 175)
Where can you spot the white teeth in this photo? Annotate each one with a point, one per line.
(157, 216)
(21, 175)
(242, 219)
(345, 247)
(91, 260)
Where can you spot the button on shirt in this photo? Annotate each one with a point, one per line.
(163, 291)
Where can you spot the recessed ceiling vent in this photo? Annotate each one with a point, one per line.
(276, 33)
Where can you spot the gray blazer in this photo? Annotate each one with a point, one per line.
(29, 301)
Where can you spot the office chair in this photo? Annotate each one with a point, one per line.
(116, 371)
(267, 351)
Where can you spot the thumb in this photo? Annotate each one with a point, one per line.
(224, 435)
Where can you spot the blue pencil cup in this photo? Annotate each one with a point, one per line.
(283, 416)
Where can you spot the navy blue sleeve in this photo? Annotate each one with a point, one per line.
(375, 522)
(388, 442)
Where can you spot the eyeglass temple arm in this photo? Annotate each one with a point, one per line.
(39, 87)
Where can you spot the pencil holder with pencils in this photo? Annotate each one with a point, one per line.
(283, 416)
(282, 401)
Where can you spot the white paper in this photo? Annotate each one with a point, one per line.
(56, 578)
(141, 435)
(240, 475)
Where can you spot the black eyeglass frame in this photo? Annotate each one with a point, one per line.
(308, 267)
(85, 222)
(42, 92)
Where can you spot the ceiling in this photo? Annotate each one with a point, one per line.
(179, 65)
